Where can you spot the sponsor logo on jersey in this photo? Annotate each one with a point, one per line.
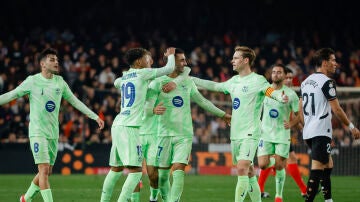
(236, 103)
(273, 113)
(178, 101)
(50, 106)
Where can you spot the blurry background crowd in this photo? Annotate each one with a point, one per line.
(93, 38)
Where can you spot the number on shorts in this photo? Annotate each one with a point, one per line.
(36, 147)
(159, 150)
(328, 146)
(261, 143)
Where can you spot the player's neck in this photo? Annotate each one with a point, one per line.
(47, 75)
(277, 86)
(244, 72)
(173, 75)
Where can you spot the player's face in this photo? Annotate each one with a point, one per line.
(238, 61)
(331, 65)
(277, 74)
(180, 62)
(288, 79)
(50, 64)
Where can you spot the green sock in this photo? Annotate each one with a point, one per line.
(135, 197)
(153, 194)
(271, 163)
(31, 192)
(46, 195)
(254, 190)
(280, 181)
(177, 185)
(241, 188)
(109, 183)
(129, 185)
(164, 184)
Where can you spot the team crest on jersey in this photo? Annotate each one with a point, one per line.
(50, 106)
(236, 103)
(178, 101)
(245, 89)
(57, 91)
(273, 113)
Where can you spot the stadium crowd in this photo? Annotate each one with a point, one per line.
(91, 61)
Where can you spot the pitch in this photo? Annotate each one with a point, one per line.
(87, 188)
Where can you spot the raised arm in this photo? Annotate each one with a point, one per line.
(209, 85)
(167, 69)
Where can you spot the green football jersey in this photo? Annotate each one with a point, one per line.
(247, 95)
(149, 124)
(133, 85)
(274, 115)
(177, 120)
(45, 98)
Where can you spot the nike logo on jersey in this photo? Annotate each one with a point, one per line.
(251, 189)
(42, 91)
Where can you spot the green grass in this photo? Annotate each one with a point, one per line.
(82, 188)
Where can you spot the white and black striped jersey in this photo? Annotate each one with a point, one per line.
(316, 92)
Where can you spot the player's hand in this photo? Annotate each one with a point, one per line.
(169, 51)
(227, 119)
(286, 124)
(356, 133)
(100, 123)
(168, 87)
(159, 109)
(285, 98)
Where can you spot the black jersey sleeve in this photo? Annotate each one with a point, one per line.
(329, 90)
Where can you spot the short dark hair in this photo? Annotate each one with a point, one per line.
(45, 52)
(134, 54)
(321, 55)
(280, 65)
(179, 51)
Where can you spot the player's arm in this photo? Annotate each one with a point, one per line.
(294, 121)
(208, 106)
(329, 90)
(74, 101)
(21, 90)
(167, 69)
(274, 94)
(301, 114)
(172, 84)
(210, 85)
(150, 103)
(294, 115)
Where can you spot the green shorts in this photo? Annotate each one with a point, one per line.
(270, 148)
(149, 148)
(44, 150)
(243, 149)
(173, 149)
(127, 147)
